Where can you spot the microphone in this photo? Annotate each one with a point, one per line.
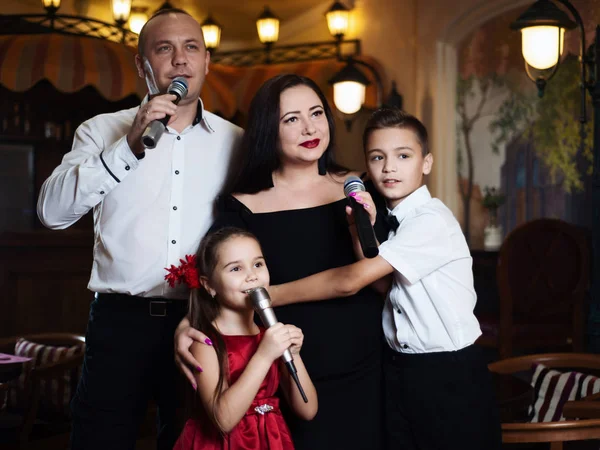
(262, 305)
(152, 133)
(366, 235)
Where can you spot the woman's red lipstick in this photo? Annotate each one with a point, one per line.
(311, 144)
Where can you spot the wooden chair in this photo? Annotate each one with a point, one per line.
(583, 416)
(543, 277)
(48, 426)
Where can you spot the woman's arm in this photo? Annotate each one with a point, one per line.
(184, 337)
(339, 282)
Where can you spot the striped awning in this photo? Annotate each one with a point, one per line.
(71, 63)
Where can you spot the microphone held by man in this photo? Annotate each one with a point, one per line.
(154, 131)
(366, 235)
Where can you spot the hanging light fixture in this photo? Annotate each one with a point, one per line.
(121, 10)
(349, 87)
(542, 29)
(51, 6)
(138, 18)
(338, 18)
(212, 33)
(267, 25)
(544, 13)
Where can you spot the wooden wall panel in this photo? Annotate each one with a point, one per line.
(43, 282)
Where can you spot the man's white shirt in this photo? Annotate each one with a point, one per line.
(148, 213)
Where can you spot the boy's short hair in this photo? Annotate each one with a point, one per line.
(396, 118)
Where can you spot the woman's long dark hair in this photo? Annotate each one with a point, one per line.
(204, 309)
(259, 149)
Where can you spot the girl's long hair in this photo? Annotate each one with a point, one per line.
(204, 309)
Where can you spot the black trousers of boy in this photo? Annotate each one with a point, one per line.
(440, 401)
(128, 360)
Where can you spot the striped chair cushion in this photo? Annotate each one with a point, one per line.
(552, 389)
(55, 393)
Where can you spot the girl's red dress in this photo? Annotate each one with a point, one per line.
(263, 426)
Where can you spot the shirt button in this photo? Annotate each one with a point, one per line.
(178, 138)
(405, 346)
(101, 192)
(173, 241)
(177, 172)
(127, 167)
(174, 208)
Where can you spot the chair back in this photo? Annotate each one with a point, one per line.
(47, 382)
(543, 276)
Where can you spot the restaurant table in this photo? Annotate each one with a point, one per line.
(11, 366)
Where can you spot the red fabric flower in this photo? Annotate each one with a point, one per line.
(186, 273)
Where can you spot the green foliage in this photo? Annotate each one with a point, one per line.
(557, 131)
(515, 116)
(552, 122)
(492, 198)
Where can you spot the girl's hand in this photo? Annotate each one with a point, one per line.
(297, 339)
(366, 201)
(276, 340)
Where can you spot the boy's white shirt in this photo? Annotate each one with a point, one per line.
(429, 307)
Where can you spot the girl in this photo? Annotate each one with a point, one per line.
(241, 369)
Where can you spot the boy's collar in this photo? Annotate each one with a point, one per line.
(414, 200)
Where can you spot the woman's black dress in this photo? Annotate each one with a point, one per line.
(342, 337)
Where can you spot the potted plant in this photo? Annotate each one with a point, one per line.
(492, 233)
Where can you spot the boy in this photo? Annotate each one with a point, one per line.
(438, 388)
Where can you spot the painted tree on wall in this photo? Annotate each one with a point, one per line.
(480, 87)
(488, 86)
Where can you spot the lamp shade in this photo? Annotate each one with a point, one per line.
(349, 88)
(338, 18)
(267, 25)
(212, 33)
(51, 6)
(138, 18)
(121, 10)
(542, 29)
(542, 46)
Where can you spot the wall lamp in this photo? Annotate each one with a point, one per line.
(349, 85)
(51, 22)
(543, 27)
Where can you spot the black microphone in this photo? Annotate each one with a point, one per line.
(366, 235)
(262, 305)
(154, 131)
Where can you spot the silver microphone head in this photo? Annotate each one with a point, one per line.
(178, 87)
(353, 184)
(260, 298)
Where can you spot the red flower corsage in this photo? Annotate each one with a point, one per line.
(186, 273)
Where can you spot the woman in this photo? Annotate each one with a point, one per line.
(289, 193)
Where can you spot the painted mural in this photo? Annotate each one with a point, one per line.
(521, 156)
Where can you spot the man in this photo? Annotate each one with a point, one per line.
(151, 208)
